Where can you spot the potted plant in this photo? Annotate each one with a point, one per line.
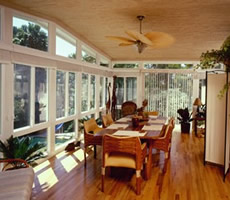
(185, 118)
(21, 148)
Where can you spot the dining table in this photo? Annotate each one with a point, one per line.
(147, 130)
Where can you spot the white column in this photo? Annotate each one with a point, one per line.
(7, 100)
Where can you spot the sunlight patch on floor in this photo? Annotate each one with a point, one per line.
(79, 154)
(69, 163)
(47, 179)
(41, 166)
(60, 155)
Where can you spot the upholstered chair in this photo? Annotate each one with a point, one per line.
(124, 152)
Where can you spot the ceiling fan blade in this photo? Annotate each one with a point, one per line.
(120, 39)
(126, 44)
(138, 36)
(160, 39)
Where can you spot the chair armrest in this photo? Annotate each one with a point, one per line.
(13, 160)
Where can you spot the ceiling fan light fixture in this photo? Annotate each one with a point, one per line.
(140, 46)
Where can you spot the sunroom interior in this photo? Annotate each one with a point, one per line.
(50, 84)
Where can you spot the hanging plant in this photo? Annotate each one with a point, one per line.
(211, 58)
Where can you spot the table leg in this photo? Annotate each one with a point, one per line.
(149, 164)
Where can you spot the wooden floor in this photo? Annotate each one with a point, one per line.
(64, 177)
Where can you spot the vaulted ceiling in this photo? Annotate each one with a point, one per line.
(196, 25)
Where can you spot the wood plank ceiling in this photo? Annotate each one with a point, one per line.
(197, 25)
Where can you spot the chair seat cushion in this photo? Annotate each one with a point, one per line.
(120, 160)
(16, 184)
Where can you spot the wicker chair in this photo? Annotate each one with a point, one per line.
(107, 120)
(90, 128)
(124, 152)
(128, 108)
(164, 141)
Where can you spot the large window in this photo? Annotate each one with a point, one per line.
(131, 89)
(120, 90)
(22, 84)
(88, 93)
(30, 95)
(126, 89)
(65, 94)
(64, 132)
(102, 90)
(84, 92)
(65, 44)
(167, 92)
(92, 91)
(60, 93)
(33, 34)
(88, 55)
(72, 93)
(41, 95)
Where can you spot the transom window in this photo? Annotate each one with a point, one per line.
(30, 33)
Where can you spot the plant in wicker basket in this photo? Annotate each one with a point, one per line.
(21, 148)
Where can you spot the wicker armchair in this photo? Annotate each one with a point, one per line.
(90, 128)
(128, 108)
(107, 120)
(124, 152)
(164, 141)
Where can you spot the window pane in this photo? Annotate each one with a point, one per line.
(88, 56)
(120, 90)
(39, 137)
(106, 90)
(64, 132)
(72, 91)
(92, 91)
(168, 66)
(22, 77)
(101, 91)
(131, 89)
(33, 34)
(104, 63)
(84, 93)
(60, 94)
(65, 44)
(134, 65)
(41, 95)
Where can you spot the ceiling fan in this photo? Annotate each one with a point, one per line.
(150, 39)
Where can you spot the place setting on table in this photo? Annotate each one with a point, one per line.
(137, 126)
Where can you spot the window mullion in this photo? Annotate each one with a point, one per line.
(89, 92)
(32, 97)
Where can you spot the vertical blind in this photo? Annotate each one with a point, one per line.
(167, 92)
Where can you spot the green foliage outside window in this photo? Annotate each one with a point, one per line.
(31, 36)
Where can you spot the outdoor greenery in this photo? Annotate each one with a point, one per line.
(31, 36)
(168, 66)
(24, 148)
(135, 65)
